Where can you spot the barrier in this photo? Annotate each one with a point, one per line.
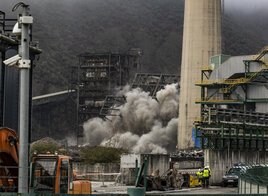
(254, 180)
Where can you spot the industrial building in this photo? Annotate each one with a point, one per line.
(7, 44)
(97, 75)
(9, 76)
(46, 121)
(223, 99)
(233, 123)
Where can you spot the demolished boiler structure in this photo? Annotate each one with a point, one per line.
(97, 75)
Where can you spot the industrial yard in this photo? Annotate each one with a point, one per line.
(134, 98)
(121, 190)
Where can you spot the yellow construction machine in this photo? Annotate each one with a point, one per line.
(49, 173)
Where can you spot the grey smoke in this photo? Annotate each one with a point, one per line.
(122, 140)
(145, 125)
(96, 131)
(139, 112)
(168, 100)
(160, 139)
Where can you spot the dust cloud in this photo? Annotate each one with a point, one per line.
(145, 124)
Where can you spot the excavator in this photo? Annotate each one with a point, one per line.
(49, 173)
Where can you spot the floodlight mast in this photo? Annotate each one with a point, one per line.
(25, 20)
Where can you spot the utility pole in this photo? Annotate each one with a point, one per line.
(24, 65)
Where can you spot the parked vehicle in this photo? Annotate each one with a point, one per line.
(232, 175)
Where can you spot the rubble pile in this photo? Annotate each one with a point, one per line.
(188, 154)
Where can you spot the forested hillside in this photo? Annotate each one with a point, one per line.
(69, 28)
(66, 28)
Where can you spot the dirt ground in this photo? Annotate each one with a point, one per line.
(113, 188)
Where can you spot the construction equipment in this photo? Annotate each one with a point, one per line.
(54, 173)
(8, 160)
(49, 173)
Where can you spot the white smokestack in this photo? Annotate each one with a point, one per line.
(201, 40)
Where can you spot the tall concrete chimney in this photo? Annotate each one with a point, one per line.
(201, 40)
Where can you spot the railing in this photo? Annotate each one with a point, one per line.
(225, 116)
(217, 100)
(242, 81)
(223, 81)
(254, 180)
(207, 68)
(260, 54)
(100, 176)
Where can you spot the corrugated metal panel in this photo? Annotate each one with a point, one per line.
(212, 91)
(265, 58)
(257, 92)
(129, 160)
(156, 161)
(11, 95)
(230, 66)
(11, 98)
(261, 107)
(217, 60)
(255, 67)
(238, 93)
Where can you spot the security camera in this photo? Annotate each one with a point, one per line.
(16, 29)
(12, 61)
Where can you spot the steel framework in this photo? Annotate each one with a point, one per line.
(236, 126)
(97, 75)
(152, 83)
(7, 42)
(148, 82)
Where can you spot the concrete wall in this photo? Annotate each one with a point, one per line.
(233, 65)
(128, 176)
(55, 119)
(201, 40)
(155, 161)
(247, 187)
(221, 161)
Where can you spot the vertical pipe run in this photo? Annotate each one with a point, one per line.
(24, 74)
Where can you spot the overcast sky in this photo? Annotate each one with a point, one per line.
(240, 4)
(249, 5)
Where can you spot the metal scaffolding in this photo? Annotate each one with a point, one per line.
(111, 106)
(148, 82)
(97, 75)
(231, 123)
(152, 83)
(6, 43)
